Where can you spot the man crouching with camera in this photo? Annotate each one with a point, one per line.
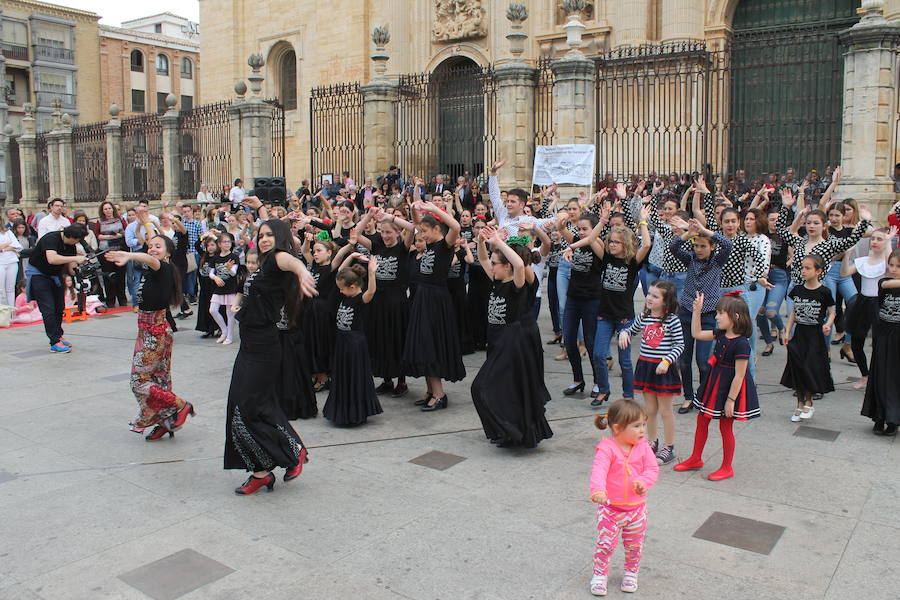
(51, 260)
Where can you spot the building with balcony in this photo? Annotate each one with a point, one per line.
(147, 59)
(49, 55)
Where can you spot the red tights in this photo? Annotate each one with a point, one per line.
(726, 428)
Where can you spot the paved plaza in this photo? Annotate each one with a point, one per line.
(413, 505)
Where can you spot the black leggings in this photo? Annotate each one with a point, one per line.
(861, 317)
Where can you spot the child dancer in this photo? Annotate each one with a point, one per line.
(151, 367)
(207, 247)
(224, 268)
(882, 401)
(624, 471)
(729, 393)
(656, 374)
(808, 370)
(318, 311)
(352, 398)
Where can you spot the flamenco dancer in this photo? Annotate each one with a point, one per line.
(432, 347)
(151, 379)
(882, 401)
(508, 393)
(258, 436)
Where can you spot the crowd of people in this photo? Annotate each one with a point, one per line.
(349, 286)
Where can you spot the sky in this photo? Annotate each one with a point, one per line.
(113, 12)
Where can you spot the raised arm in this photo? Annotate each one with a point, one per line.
(288, 262)
(514, 259)
(494, 192)
(372, 283)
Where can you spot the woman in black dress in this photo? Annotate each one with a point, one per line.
(432, 347)
(389, 309)
(258, 436)
(479, 291)
(508, 392)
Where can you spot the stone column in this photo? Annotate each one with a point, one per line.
(28, 159)
(515, 122)
(870, 100)
(113, 129)
(171, 152)
(4, 138)
(253, 121)
(379, 126)
(234, 132)
(53, 139)
(66, 160)
(573, 97)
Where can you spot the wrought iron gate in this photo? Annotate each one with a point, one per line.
(336, 131)
(142, 158)
(204, 137)
(89, 147)
(14, 170)
(43, 169)
(278, 154)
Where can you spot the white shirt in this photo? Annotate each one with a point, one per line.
(51, 223)
(504, 221)
(237, 195)
(205, 197)
(9, 257)
(869, 274)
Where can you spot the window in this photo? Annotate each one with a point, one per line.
(137, 61)
(137, 101)
(157, 27)
(187, 68)
(162, 64)
(287, 80)
(187, 103)
(161, 102)
(15, 33)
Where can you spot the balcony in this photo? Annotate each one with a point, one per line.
(14, 52)
(47, 98)
(54, 54)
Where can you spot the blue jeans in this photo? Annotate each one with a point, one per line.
(132, 279)
(755, 299)
(676, 279)
(648, 274)
(780, 278)
(189, 283)
(553, 301)
(607, 330)
(563, 275)
(845, 285)
(580, 311)
(703, 351)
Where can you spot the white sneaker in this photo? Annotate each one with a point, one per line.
(598, 585)
(795, 418)
(629, 582)
(807, 414)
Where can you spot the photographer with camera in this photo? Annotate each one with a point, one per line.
(53, 257)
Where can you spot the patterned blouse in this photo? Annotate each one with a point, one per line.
(827, 249)
(670, 262)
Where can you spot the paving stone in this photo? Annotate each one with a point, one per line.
(738, 532)
(175, 575)
(30, 353)
(437, 460)
(4, 476)
(817, 433)
(118, 377)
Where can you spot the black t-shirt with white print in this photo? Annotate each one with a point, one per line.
(586, 271)
(349, 316)
(506, 303)
(888, 304)
(811, 306)
(435, 263)
(392, 271)
(617, 299)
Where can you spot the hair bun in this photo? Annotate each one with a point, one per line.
(600, 422)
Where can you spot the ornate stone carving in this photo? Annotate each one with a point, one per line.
(458, 20)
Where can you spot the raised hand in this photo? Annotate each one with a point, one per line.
(620, 190)
(698, 302)
(701, 185)
(864, 213)
(640, 187)
(644, 214)
(787, 197)
(658, 187)
(497, 166)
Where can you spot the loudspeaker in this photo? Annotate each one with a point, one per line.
(276, 182)
(261, 182)
(277, 190)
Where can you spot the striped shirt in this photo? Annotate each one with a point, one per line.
(660, 338)
(704, 276)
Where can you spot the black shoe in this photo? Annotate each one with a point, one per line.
(184, 315)
(838, 342)
(438, 403)
(817, 397)
(683, 410)
(770, 348)
(574, 389)
(890, 430)
(207, 335)
(849, 358)
(385, 388)
(600, 399)
(423, 401)
(878, 428)
(555, 340)
(399, 390)
(321, 387)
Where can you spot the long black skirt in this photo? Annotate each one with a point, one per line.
(533, 350)
(476, 306)
(298, 400)
(318, 333)
(457, 289)
(807, 370)
(205, 321)
(861, 315)
(351, 398)
(432, 342)
(386, 331)
(258, 436)
(508, 393)
(882, 401)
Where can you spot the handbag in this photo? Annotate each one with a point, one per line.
(191, 262)
(6, 315)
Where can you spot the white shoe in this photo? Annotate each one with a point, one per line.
(220, 340)
(227, 341)
(807, 414)
(629, 582)
(598, 585)
(795, 418)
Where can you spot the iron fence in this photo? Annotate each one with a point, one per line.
(142, 158)
(336, 131)
(14, 186)
(543, 103)
(43, 169)
(89, 150)
(278, 153)
(447, 122)
(204, 139)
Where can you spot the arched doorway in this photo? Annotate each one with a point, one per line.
(458, 85)
(787, 84)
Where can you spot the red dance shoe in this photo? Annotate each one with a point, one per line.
(722, 473)
(691, 464)
(158, 433)
(294, 472)
(253, 484)
(181, 417)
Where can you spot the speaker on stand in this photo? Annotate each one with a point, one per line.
(261, 188)
(278, 191)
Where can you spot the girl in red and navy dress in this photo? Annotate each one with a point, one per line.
(729, 393)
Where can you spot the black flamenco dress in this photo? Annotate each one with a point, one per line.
(432, 346)
(533, 350)
(351, 398)
(882, 400)
(388, 312)
(318, 319)
(479, 291)
(711, 401)
(508, 393)
(456, 285)
(258, 436)
(807, 370)
(298, 400)
(205, 322)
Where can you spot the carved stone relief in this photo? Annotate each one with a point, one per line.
(458, 20)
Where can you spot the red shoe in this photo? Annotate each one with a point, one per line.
(722, 473)
(294, 472)
(691, 464)
(253, 484)
(158, 433)
(181, 417)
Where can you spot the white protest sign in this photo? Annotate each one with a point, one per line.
(566, 163)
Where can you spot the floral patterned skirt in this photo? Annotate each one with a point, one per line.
(151, 380)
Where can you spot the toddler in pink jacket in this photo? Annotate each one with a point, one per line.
(625, 469)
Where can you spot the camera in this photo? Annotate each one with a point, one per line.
(89, 269)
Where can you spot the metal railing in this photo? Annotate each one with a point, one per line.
(89, 148)
(14, 51)
(336, 130)
(543, 103)
(204, 140)
(53, 54)
(46, 99)
(142, 158)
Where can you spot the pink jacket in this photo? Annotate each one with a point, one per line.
(615, 473)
